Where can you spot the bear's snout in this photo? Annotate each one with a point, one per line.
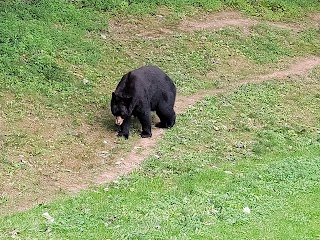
(119, 120)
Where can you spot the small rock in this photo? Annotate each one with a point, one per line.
(85, 81)
(48, 217)
(14, 233)
(246, 210)
(105, 141)
(228, 172)
(23, 161)
(103, 154)
(103, 36)
(106, 189)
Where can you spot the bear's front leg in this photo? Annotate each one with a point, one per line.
(145, 120)
(124, 128)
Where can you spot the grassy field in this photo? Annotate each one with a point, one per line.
(257, 147)
(264, 154)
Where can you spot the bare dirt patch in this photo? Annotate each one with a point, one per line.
(162, 26)
(315, 18)
(299, 68)
(151, 27)
(216, 21)
(141, 151)
(42, 159)
(221, 20)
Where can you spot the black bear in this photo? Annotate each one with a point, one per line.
(139, 92)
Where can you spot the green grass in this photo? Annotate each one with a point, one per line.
(50, 54)
(40, 42)
(275, 10)
(267, 9)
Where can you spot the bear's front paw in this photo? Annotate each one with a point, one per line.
(146, 135)
(121, 134)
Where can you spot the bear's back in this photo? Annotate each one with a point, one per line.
(146, 80)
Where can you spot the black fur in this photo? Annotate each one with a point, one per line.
(141, 91)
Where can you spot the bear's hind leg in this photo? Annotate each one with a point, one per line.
(167, 117)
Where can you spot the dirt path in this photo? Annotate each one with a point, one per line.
(144, 147)
(217, 21)
(158, 27)
(230, 19)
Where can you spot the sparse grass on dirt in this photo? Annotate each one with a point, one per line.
(59, 62)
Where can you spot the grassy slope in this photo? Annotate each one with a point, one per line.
(183, 191)
(41, 49)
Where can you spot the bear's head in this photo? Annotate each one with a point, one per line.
(120, 107)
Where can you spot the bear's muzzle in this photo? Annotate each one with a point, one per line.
(119, 120)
